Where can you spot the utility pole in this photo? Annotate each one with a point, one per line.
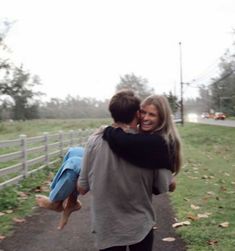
(181, 88)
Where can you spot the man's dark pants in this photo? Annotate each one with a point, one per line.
(146, 245)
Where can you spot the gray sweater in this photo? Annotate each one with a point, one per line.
(121, 206)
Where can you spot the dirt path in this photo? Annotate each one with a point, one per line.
(39, 232)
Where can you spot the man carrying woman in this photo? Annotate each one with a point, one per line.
(157, 147)
(121, 205)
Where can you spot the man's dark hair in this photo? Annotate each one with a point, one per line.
(123, 106)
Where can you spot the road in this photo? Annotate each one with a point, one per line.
(226, 122)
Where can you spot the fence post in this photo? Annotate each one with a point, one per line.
(23, 145)
(61, 138)
(46, 148)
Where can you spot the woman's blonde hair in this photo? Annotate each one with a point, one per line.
(166, 127)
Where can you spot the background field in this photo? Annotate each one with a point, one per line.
(205, 185)
(205, 194)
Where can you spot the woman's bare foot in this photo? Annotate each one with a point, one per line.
(43, 201)
(68, 209)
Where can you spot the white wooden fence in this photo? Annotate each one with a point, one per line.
(25, 156)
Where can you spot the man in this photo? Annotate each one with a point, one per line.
(122, 212)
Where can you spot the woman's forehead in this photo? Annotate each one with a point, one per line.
(148, 107)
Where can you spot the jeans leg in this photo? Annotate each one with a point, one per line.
(64, 186)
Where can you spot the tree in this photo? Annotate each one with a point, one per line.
(223, 88)
(173, 101)
(5, 26)
(205, 100)
(74, 107)
(138, 84)
(18, 84)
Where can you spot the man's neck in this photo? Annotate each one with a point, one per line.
(130, 126)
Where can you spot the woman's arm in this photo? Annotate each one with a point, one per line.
(144, 150)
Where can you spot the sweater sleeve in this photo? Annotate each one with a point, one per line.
(143, 150)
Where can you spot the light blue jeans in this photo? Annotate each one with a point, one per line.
(65, 180)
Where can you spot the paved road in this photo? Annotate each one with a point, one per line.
(39, 232)
(226, 122)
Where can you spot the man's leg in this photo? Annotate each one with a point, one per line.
(145, 245)
(118, 248)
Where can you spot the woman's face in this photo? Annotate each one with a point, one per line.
(149, 118)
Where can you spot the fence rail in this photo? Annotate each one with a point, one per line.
(25, 156)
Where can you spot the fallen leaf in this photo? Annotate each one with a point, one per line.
(45, 189)
(205, 215)
(2, 237)
(211, 193)
(192, 177)
(18, 220)
(212, 242)
(1, 213)
(169, 239)
(9, 211)
(180, 224)
(223, 189)
(22, 194)
(224, 224)
(192, 217)
(194, 207)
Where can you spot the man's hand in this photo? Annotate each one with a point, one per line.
(81, 190)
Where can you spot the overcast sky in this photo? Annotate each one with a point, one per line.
(82, 47)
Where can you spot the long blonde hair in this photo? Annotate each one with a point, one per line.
(166, 128)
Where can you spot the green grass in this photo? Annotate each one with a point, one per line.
(207, 181)
(12, 203)
(17, 202)
(12, 130)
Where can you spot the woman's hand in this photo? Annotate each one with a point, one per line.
(172, 186)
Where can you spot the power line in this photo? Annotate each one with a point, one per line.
(210, 69)
(224, 77)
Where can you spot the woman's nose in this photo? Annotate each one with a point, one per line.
(145, 117)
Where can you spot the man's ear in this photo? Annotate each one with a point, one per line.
(138, 116)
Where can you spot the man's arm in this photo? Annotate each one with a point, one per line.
(143, 150)
(83, 185)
